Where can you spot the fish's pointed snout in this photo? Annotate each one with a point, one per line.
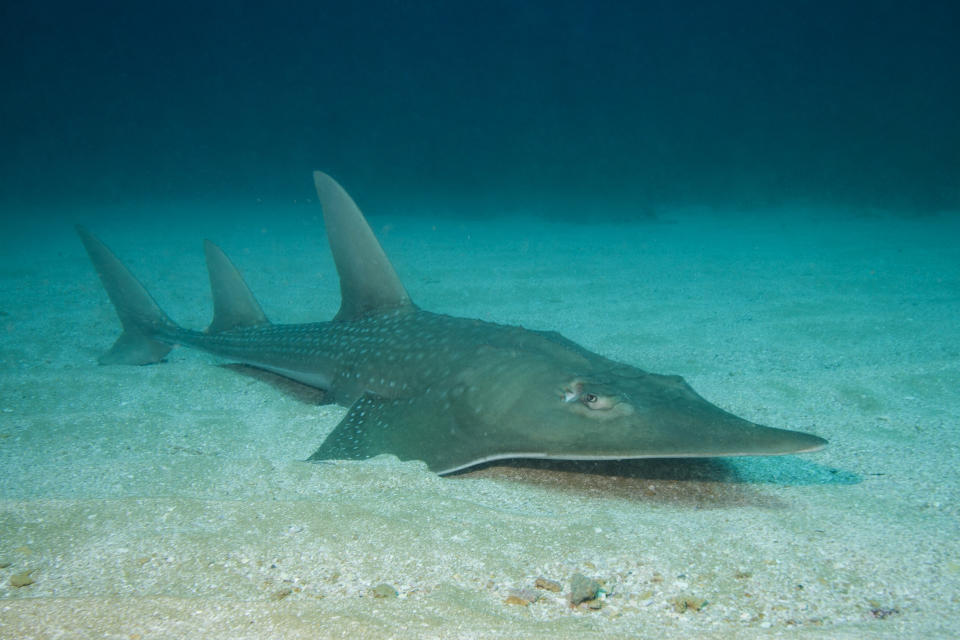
(733, 436)
(801, 442)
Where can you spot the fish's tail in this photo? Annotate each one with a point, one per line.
(146, 328)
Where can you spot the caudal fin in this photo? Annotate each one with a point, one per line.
(142, 319)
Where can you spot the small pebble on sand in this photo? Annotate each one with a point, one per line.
(549, 585)
(583, 589)
(21, 579)
(523, 597)
(384, 590)
(687, 603)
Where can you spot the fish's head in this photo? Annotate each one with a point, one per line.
(526, 405)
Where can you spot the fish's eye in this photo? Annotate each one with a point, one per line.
(598, 403)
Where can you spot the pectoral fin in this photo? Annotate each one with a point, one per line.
(417, 428)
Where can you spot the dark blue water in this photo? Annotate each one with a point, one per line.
(566, 106)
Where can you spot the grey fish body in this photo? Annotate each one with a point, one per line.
(453, 392)
(395, 354)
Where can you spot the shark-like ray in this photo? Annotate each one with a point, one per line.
(453, 392)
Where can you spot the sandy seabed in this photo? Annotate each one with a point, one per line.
(171, 501)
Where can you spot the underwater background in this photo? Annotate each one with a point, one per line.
(554, 105)
(761, 197)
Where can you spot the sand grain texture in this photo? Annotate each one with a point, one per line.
(170, 500)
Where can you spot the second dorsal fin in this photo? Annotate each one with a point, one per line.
(234, 306)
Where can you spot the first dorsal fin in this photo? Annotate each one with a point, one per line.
(234, 306)
(368, 283)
